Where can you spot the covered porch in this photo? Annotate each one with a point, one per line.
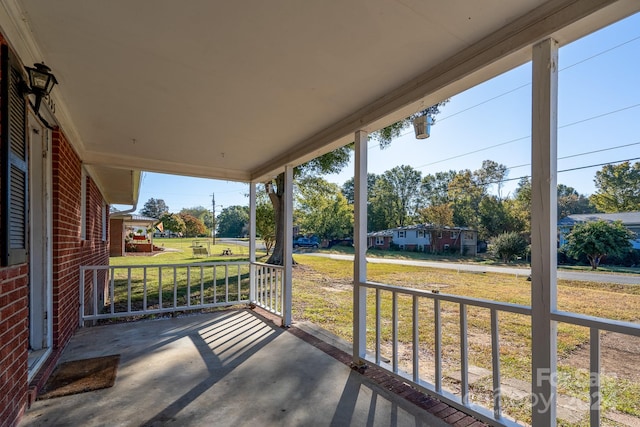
(248, 93)
(229, 368)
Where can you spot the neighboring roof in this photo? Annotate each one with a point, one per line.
(627, 218)
(134, 218)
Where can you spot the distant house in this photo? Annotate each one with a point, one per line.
(631, 220)
(426, 238)
(123, 227)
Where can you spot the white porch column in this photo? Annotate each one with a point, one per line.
(252, 241)
(288, 245)
(360, 244)
(544, 231)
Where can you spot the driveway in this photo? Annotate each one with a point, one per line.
(624, 279)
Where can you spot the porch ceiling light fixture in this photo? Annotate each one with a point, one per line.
(41, 81)
(422, 126)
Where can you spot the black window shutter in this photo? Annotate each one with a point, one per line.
(15, 164)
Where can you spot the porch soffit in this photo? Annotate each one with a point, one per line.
(237, 90)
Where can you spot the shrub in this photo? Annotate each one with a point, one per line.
(508, 246)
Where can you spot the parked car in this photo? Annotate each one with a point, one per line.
(305, 242)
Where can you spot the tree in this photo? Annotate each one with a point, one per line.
(265, 221)
(618, 188)
(154, 208)
(348, 188)
(331, 162)
(193, 226)
(434, 189)
(597, 239)
(173, 222)
(509, 245)
(323, 209)
(440, 215)
(233, 221)
(571, 202)
(491, 173)
(386, 135)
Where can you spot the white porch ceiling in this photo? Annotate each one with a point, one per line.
(237, 89)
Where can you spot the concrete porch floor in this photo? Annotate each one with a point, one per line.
(230, 368)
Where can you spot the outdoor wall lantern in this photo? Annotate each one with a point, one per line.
(41, 81)
(422, 126)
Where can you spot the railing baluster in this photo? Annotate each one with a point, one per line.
(144, 289)
(394, 331)
(215, 285)
(437, 328)
(160, 287)
(81, 291)
(94, 290)
(594, 380)
(239, 283)
(416, 343)
(271, 285)
(464, 355)
(226, 283)
(188, 286)
(175, 287)
(112, 290)
(129, 290)
(495, 361)
(378, 325)
(201, 285)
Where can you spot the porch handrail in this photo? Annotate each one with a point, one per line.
(461, 401)
(268, 282)
(198, 286)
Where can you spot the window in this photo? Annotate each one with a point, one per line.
(104, 222)
(454, 235)
(379, 240)
(420, 234)
(446, 246)
(468, 235)
(401, 234)
(439, 234)
(15, 171)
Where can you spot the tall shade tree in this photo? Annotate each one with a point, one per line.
(466, 195)
(323, 210)
(571, 202)
(618, 188)
(233, 221)
(440, 215)
(332, 162)
(348, 188)
(597, 239)
(173, 222)
(154, 208)
(193, 227)
(404, 183)
(434, 189)
(491, 174)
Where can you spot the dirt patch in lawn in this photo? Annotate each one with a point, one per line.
(619, 356)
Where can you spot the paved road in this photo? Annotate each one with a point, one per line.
(626, 279)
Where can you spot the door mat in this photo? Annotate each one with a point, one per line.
(79, 376)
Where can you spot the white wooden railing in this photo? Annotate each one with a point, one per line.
(268, 293)
(411, 372)
(109, 292)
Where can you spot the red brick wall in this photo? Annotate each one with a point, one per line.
(14, 314)
(69, 250)
(69, 253)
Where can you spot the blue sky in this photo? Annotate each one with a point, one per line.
(598, 118)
